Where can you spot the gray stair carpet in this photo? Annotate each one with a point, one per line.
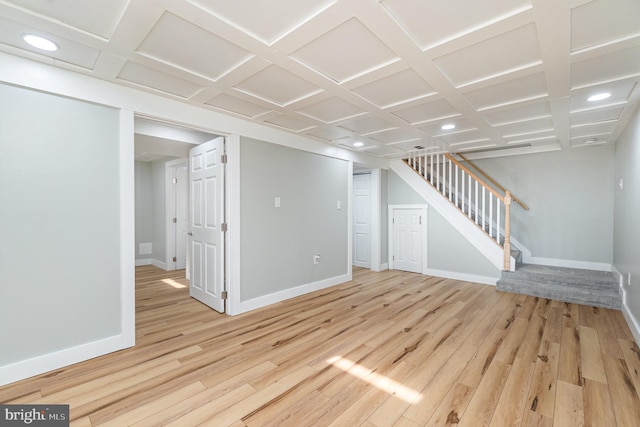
(588, 287)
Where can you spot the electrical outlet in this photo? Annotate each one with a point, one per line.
(316, 259)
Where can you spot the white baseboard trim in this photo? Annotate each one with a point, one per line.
(48, 362)
(159, 264)
(140, 262)
(382, 267)
(279, 296)
(632, 321)
(569, 263)
(485, 280)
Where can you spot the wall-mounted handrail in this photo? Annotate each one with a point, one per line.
(493, 181)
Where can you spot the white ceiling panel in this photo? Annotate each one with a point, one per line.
(182, 44)
(157, 80)
(295, 124)
(70, 51)
(464, 137)
(595, 116)
(537, 138)
(384, 150)
(329, 133)
(99, 17)
(331, 110)
(395, 89)
(435, 128)
(339, 54)
(518, 113)
(613, 66)
(507, 73)
(619, 90)
(499, 55)
(433, 22)
(603, 21)
(510, 92)
(366, 125)
(529, 126)
(602, 128)
(249, 15)
(278, 86)
(238, 106)
(394, 136)
(427, 111)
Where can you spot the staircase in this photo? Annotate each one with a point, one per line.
(488, 208)
(589, 287)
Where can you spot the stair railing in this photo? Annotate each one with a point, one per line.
(480, 202)
(491, 180)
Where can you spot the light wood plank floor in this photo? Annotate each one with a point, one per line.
(387, 349)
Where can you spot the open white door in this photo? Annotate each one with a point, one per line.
(206, 218)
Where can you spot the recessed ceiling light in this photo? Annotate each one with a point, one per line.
(598, 96)
(358, 144)
(448, 126)
(40, 42)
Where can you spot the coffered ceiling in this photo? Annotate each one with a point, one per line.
(512, 76)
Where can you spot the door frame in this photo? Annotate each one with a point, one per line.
(391, 245)
(170, 206)
(375, 218)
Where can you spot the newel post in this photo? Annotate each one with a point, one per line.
(507, 231)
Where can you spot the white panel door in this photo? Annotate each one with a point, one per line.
(205, 222)
(362, 220)
(182, 220)
(407, 240)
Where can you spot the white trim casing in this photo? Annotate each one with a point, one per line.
(425, 240)
(170, 206)
(127, 231)
(232, 214)
(375, 223)
(350, 218)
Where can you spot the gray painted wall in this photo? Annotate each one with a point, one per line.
(570, 195)
(626, 256)
(143, 206)
(277, 244)
(447, 249)
(60, 228)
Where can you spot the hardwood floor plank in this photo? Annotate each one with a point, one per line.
(513, 400)
(414, 350)
(591, 356)
(569, 405)
(598, 410)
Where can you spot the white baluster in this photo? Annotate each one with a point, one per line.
(431, 169)
(469, 198)
(498, 220)
(457, 173)
(490, 214)
(484, 213)
(476, 204)
(438, 172)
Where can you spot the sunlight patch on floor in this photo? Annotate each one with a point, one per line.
(173, 283)
(380, 381)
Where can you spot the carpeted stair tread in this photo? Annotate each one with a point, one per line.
(580, 286)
